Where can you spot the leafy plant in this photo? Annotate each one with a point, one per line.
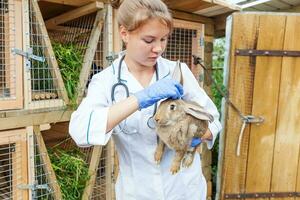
(218, 63)
(71, 171)
(70, 59)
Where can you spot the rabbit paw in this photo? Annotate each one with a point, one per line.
(175, 168)
(187, 160)
(158, 156)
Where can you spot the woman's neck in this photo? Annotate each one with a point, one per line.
(142, 73)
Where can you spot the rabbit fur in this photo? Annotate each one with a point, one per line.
(177, 123)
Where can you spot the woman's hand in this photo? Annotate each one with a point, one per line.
(207, 136)
(162, 89)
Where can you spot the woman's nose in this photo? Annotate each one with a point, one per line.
(158, 47)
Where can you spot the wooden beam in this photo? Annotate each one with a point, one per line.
(73, 14)
(90, 53)
(47, 163)
(76, 3)
(191, 17)
(220, 25)
(21, 119)
(95, 159)
(292, 9)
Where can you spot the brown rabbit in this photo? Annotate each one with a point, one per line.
(177, 122)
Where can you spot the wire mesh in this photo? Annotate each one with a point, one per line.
(180, 45)
(10, 170)
(77, 33)
(42, 77)
(7, 42)
(42, 185)
(99, 189)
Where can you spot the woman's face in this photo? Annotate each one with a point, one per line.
(145, 44)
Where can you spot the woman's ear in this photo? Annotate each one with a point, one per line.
(124, 34)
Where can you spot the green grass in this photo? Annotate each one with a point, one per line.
(69, 59)
(71, 171)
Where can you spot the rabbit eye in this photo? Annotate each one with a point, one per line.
(172, 107)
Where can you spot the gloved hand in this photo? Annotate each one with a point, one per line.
(196, 142)
(162, 89)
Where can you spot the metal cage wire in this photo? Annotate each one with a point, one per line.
(7, 43)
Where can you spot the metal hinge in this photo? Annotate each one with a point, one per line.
(254, 52)
(262, 195)
(201, 41)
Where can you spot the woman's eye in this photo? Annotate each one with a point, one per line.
(172, 107)
(148, 41)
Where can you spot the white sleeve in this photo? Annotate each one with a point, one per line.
(88, 123)
(193, 92)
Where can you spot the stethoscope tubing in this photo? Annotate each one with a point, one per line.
(120, 84)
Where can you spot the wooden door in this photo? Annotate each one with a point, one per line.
(266, 86)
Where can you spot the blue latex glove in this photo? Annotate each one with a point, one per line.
(196, 142)
(162, 89)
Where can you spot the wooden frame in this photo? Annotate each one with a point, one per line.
(73, 14)
(19, 157)
(13, 39)
(57, 82)
(90, 53)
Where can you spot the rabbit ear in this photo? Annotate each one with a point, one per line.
(177, 74)
(198, 112)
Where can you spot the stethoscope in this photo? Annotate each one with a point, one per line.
(150, 121)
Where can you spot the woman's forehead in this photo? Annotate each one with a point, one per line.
(154, 28)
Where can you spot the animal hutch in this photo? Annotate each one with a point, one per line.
(37, 96)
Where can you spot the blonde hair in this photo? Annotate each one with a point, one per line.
(133, 13)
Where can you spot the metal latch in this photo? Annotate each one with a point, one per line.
(28, 55)
(248, 119)
(34, 187)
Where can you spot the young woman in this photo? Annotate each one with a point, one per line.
(122, 98)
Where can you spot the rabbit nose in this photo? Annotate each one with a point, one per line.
(156, 119)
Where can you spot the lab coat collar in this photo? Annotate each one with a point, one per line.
(162, 66)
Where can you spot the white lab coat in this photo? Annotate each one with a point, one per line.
(140, 178)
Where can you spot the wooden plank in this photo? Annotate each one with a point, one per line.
(30, 158)
(90, 53)
(19, 121)
(51, 178)
(95, 159)
(286, 153)
(76, 3)
(191, 17)
(19, 160)
(13, 63)
(58, 82)
(73, 14)
(109, 170)
(243, 35)
(117, 41)
(265, 102)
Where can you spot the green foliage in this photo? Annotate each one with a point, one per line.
(71, 171)
(70, 61)
(218, 62)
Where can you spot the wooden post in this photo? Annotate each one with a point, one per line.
(208, 50)
(90, 53)
(47, 163)
(95, 159)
